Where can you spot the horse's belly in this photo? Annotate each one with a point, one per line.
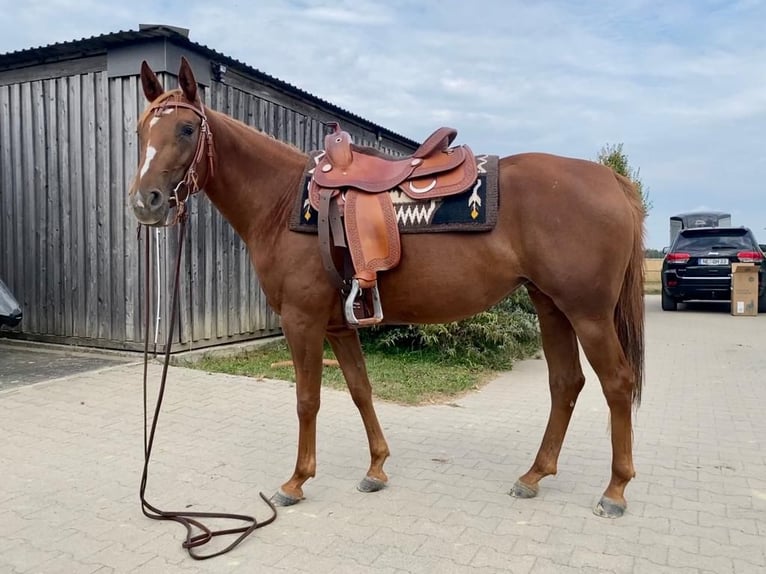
(447, 277)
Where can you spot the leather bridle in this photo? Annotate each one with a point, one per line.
(190, 182)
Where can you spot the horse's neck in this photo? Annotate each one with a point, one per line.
(256, 178)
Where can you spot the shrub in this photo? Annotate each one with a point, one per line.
(492, 339)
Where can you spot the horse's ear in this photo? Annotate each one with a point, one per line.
(187, 81)
(152, 87)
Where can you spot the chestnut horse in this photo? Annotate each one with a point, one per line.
(570, 230)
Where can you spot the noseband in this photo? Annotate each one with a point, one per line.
(190, 181)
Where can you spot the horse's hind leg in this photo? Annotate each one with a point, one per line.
(565, 379)
(604, 352)
(348, 350)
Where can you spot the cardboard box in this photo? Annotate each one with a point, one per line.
(744, 289)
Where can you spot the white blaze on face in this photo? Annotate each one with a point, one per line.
(150, 153)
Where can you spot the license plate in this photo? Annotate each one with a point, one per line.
(714, 261)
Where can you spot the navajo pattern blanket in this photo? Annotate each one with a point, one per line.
(474, 210)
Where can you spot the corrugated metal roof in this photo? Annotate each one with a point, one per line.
(99, 44)
(82, 47)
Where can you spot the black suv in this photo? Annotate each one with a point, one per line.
(698, 265)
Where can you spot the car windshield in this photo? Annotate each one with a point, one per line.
(713, 242)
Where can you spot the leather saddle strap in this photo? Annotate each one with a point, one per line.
(437, 141)
(336, 225)
(328, 214)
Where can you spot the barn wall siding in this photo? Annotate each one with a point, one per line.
(68, 244)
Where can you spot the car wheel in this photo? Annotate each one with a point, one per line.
(762, 302)
(668, 303)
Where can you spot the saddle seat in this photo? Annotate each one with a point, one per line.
(348, 188)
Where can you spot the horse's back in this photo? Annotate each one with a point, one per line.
(561, 190)
(556, 171)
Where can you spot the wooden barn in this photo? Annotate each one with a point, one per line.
(68, 152)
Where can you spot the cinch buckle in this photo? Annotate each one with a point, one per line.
(357, 291)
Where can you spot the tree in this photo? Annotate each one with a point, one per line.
(612, 156)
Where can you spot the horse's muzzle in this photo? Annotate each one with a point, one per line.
(150, 206)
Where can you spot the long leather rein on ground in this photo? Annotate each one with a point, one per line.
(190, 520)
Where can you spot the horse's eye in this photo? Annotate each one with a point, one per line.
(187, 130)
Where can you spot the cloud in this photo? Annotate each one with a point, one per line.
(682, 84)
(358, 13)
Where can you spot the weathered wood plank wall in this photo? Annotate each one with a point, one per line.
(68, 247)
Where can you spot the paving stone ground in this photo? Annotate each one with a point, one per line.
(71, 457)
(24, 364)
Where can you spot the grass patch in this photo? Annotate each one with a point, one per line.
(407, 377)
(419, 363)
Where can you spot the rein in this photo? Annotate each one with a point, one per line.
(190, 520)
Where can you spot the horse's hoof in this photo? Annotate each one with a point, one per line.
(608, 508)
(279, 498)
(370, 484)
(521, 490)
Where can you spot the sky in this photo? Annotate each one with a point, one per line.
(681, 84)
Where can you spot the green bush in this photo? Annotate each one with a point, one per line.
(492, 339)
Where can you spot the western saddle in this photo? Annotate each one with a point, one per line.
(348, 188)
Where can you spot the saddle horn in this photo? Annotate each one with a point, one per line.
(337, 144)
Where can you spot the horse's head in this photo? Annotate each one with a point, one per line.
(174, 139)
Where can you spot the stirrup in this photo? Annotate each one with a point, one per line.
(351, 317)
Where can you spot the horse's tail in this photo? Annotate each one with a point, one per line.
(629, 313)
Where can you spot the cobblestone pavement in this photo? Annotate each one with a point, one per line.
(71, 458)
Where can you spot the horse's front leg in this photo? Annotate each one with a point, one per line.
(305, 337)
(345, 343)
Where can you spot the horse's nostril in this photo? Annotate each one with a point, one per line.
(155, 199)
